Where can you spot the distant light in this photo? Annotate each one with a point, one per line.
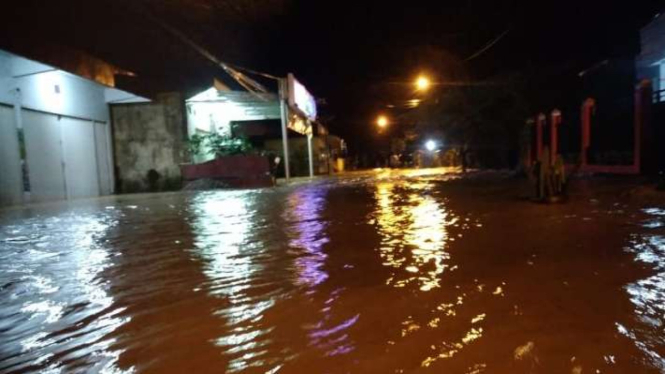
(422, 83)
(430, 145)
(382, 121)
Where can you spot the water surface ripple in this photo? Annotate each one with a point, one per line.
(381, 272)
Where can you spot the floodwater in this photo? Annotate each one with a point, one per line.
(382, 272)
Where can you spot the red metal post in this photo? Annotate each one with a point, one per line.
(554, 134)
(529, 157)
(540, 123)
(588, 107)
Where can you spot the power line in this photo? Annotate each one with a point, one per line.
(233, 70)
(488, 46)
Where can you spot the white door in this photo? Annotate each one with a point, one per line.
(103, 158)
(78, 146)
(44, 155)
(11, 182)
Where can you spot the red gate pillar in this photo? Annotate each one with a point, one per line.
(529, 157)
(588, 107)
(540, 124)
(554, 134)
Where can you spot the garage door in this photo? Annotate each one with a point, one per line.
(44, 156)
(11, 189)
(67, 157)
(80, 156)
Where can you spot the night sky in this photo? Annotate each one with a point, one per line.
(347, 52)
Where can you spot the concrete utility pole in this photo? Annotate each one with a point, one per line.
(310, 135)
(284, 111)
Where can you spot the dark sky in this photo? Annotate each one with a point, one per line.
(344, 51)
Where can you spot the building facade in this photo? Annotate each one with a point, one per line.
(651, 60)
(55, 133)
(150, 144)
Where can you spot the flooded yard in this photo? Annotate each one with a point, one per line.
(381, 272)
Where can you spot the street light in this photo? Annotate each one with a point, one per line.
(422, 83)
(430, 145)
(382, 121)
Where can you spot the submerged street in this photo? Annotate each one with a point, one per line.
(377, 272)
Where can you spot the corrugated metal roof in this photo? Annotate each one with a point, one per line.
(253, 105)
(240, 97)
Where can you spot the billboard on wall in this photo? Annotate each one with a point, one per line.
(300, 99)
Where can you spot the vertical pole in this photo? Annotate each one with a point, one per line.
(540, 123)
(99, 172)
(284, 112)
(587, 109)
(63, 157)
(309, 152)
(328, 158)
(23, 161)
(554, 134)
(528, 152)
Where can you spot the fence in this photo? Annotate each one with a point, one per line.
(612, 135)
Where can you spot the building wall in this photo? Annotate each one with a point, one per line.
(214, 111)
(149, 136)
(651, 60)
(63, 123)
(11, 188)
(52, 91)
(652, 41)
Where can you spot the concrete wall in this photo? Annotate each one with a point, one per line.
(68, 111)
(6, 82)
(651, 61)
(652, 41)
(149, 136)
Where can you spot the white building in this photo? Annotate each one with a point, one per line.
(214, 111)
(218, 110)
(651, 60)
(55, 137)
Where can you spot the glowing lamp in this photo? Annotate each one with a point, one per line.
(382, 121)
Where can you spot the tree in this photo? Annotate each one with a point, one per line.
(482, 117)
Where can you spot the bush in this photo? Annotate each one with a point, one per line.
(218, 145)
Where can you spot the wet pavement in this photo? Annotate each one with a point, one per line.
(382, 272)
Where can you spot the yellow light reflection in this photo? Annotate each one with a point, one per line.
(414, 233)
(449, 350)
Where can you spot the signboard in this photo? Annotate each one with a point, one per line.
(299, 125)
(300, 99)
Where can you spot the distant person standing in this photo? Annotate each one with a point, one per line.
(273, 164)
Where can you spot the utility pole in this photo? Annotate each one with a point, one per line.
(310, 135)
(284, 112)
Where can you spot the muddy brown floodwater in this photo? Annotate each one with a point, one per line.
(382, 272)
